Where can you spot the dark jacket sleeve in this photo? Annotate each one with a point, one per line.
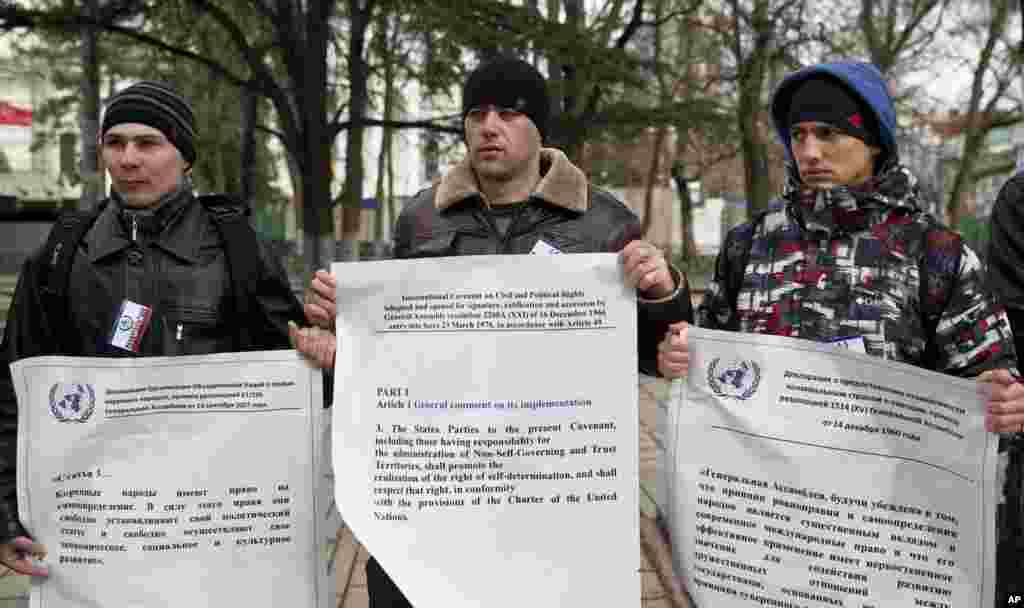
(26, 335)
(419, 230)
(1006, 253)
(654, 317)
(276, 304)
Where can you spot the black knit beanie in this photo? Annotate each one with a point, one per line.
(158, 106)
(823, 99)
(508, 82)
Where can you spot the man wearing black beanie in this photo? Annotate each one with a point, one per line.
(182, 275)
(511, 195)
(849, 255)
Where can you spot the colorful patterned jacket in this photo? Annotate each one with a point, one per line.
(865, 262)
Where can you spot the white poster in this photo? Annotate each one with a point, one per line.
(800, 474)
(486, 428)
(174, 481)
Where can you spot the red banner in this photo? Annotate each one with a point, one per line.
(13, 115)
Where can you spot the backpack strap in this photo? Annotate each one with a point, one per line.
(249, 275)
(55, 272)
(242, 250)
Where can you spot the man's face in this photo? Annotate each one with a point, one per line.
(827, 157)
(142, 163)
(502, 142)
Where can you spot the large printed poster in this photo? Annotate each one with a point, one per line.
(798, 474)
(485, 428)
(174, 481)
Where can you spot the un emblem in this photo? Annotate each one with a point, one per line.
(735, 379)
(126, 323)
(70, 402)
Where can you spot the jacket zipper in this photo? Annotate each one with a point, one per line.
(508, 232)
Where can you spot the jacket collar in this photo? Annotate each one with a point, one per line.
(846, 209)
(112, 231)
(562, 183)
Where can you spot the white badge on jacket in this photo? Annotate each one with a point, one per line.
(542, 248)
(854, 343)
(130, 325)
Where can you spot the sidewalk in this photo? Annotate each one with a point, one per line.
(655, 559)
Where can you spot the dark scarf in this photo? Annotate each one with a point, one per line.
(848, 209)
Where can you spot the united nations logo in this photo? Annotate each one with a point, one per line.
(735, 379)
(126, 323)
(72, 402)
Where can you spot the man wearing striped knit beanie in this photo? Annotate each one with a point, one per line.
(153, 271)
(160, 121)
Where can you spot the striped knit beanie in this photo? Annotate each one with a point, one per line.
(158, 106)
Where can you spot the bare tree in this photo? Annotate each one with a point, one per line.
(89, 114)
(758, 36)
(899, 35)
(989, 105)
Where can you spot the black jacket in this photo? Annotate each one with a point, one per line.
(177, 265)
(1006, 277)
(1006, 253)
(565, 211)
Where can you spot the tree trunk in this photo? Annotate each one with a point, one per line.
(314, 156)
(688, 249)
(360, 12)
(89, 115)
(652, 179)
(431, 141)
(964, 178)
(383, 186)
(755, 153)
(572, 138)
(250, 106)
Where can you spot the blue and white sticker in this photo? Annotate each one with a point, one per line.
(543, 248)
(130, 325)
(854, 343)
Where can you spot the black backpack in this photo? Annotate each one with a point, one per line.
(245, 267)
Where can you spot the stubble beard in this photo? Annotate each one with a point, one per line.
(497, 171)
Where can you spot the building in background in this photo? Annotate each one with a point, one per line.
(996, 163)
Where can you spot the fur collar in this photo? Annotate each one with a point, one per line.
(562, 183)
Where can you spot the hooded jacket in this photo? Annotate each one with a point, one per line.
(864, 261)
(863, 80)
